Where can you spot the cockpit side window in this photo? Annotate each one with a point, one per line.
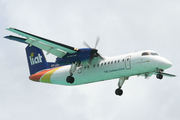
(145, 53)
(152, 53)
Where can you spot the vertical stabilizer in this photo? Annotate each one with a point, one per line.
(36, 59)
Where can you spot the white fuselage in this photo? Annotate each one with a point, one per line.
(111, 67)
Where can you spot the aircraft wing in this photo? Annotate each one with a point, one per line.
(169, 75)
(52, 47)
(166, 74)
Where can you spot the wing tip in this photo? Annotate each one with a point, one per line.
(10, 28)
(169, 75)
(14, 38)
(7, 37)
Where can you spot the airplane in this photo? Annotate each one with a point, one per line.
(75, 66)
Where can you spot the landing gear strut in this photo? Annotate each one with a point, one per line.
(159, 75)
(119, 91)
(73, 68)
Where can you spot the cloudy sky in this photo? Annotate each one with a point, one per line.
(123, 27)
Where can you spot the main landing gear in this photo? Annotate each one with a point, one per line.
(119, 91)
(70, 79)
(73, 68)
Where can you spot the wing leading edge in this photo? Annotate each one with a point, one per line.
(50, 46)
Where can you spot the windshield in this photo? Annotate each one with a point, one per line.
(152, 53)
(145, 53)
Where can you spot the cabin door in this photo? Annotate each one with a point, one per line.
(128, 62)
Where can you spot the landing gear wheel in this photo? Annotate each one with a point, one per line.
(70, 79)
(159, 76)
(119, 91)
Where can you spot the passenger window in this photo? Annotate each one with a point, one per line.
(94, 65)
(108, 62)
(105, 63)
(84, 67)
(87, 66)
(118, 61)
(123, 60)
(115, 61)
(145, 53)
(111, 62)
(97, 65)
(128, 59)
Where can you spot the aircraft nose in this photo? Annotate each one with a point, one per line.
(167, 63)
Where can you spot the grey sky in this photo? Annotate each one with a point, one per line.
(123, 26)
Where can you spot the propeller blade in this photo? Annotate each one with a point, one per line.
(94, 51)
(86, 44)
(100, 56)
(90, 60)
(97, 41)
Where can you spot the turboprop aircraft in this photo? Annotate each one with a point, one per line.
(75, 66)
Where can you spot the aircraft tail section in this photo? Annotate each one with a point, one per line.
(36, 59)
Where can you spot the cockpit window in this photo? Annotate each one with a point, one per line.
(145, 53)
(152, 53)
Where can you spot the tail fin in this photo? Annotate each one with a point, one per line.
(36, 59)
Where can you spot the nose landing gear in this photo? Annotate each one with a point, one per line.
(159, 75)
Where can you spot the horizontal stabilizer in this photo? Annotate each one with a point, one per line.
(14, 38)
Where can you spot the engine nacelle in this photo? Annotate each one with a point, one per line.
(81, 55)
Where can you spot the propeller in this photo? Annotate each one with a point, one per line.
(94, 51)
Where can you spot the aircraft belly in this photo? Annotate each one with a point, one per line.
(102, 73)
(80, 75)
(91, 74)
(60, 75)
(84, 76)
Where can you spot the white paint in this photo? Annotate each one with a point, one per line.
(35, 60)
(129, 65)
